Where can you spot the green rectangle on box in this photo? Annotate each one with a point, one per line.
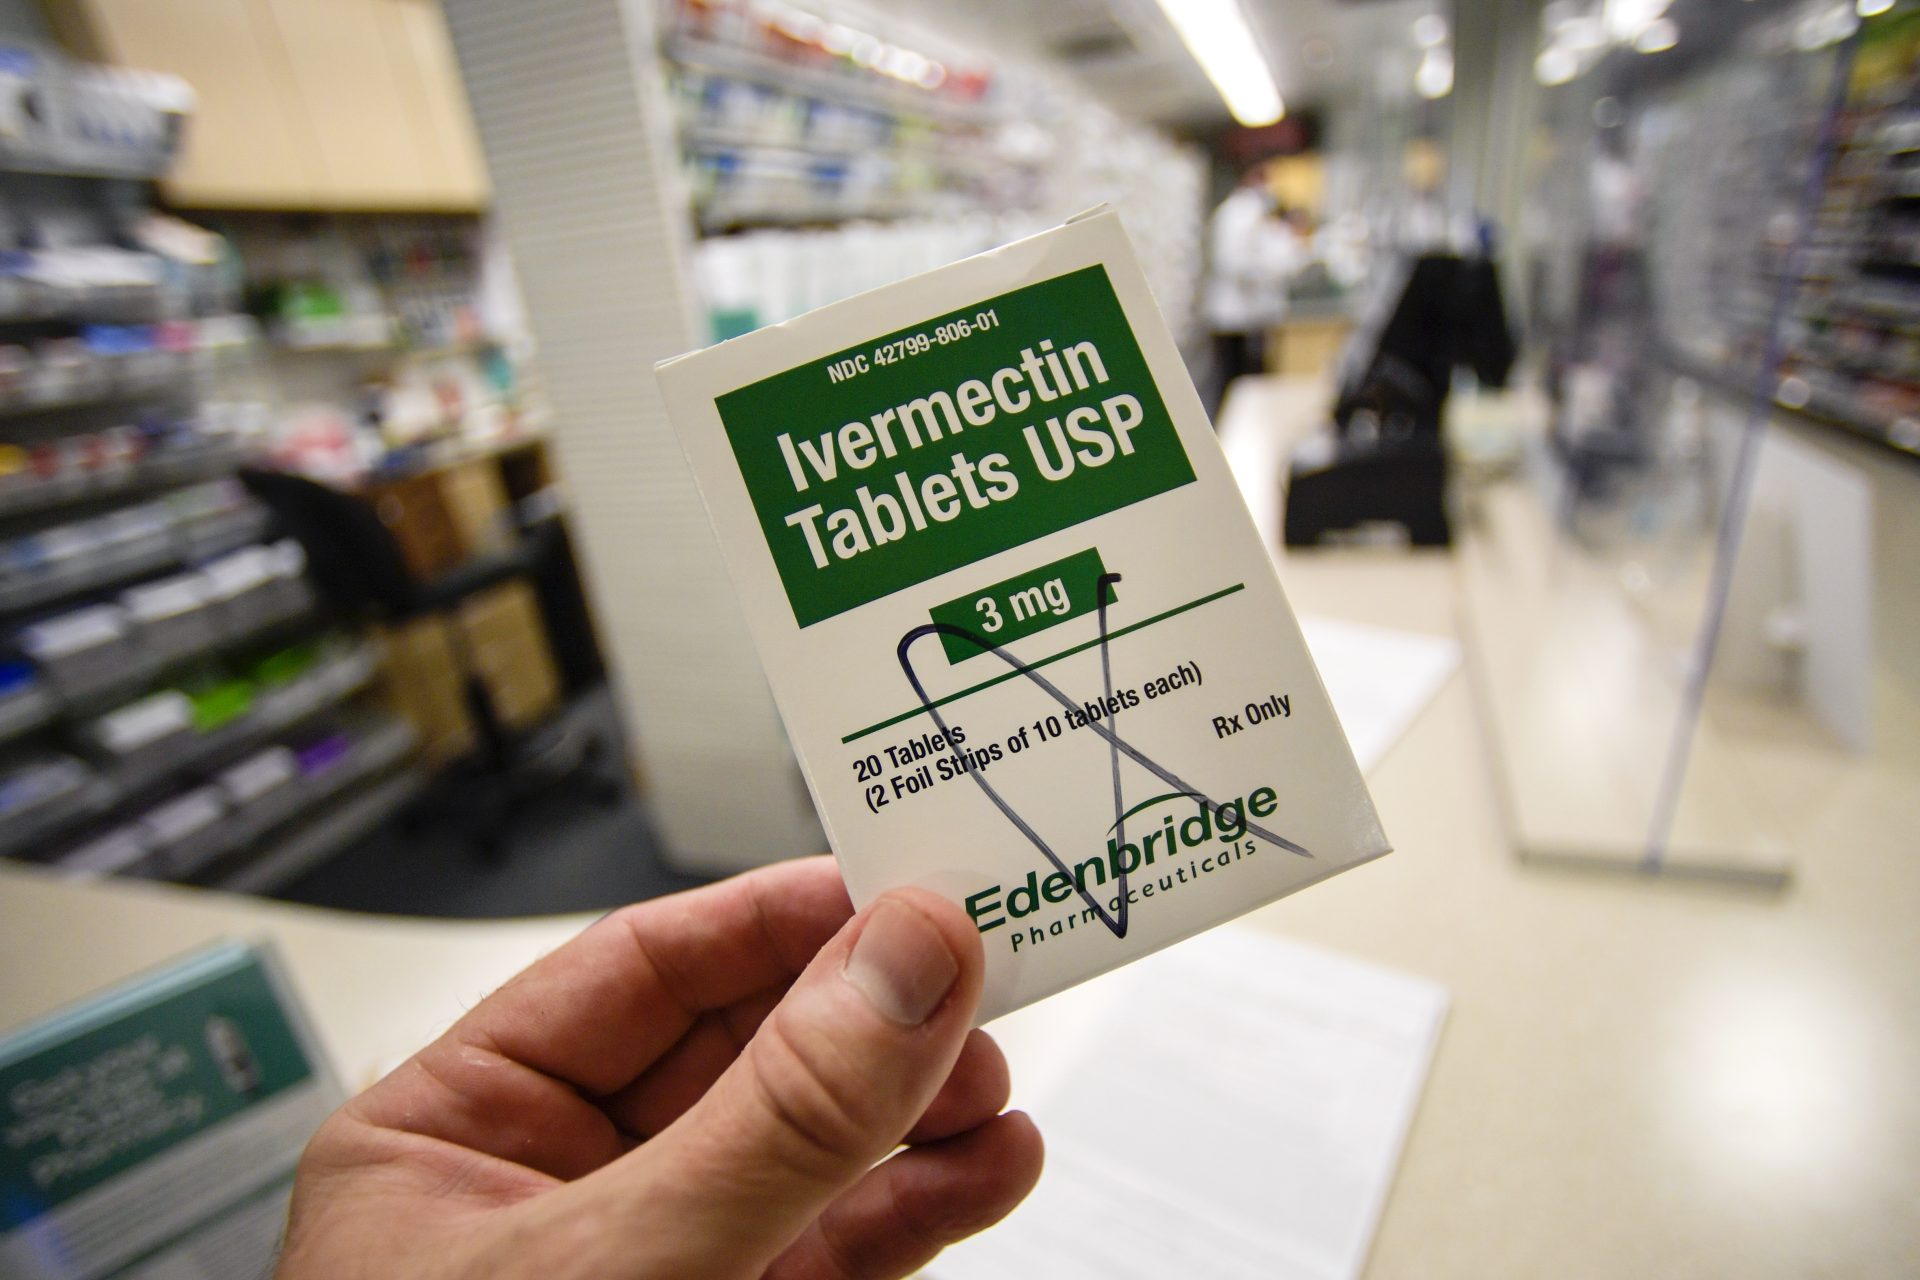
(1024, 604)
(923, 450)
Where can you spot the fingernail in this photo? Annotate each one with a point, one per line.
(901, 964)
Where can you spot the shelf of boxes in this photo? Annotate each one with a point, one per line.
(1850, 281)
(782, 122)
(813, 74)
(168, 702)
(321, 835)
(266, 818)
(139, 754)
(177, 531)
(806, 141)
(84, 659)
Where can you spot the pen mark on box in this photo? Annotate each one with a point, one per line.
(1116, 921)
(1061, 656)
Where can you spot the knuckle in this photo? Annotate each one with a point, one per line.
(344, 1141)
(826, 1119)
(924, 1220)
(839, 1255)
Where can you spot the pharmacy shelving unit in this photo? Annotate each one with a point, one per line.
(1853, 358)
(174, 701)
(826, 148)
(1719, 220)
(775, 132)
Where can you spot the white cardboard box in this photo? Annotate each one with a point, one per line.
(923, 494)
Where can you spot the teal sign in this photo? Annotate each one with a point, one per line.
(94, 1091)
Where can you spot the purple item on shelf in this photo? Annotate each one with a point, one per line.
(324, 753)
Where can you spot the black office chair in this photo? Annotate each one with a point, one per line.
(357, 565)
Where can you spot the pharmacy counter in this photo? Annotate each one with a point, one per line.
(1637, 1076)
(378, 987)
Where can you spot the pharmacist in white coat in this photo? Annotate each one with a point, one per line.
(1252, 253)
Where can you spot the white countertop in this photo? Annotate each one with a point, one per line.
(378, 987)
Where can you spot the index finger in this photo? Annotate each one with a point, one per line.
(599, 1011)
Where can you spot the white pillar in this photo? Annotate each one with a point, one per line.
(573, 116)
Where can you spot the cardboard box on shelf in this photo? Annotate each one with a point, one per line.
(507, 640)
(445, 516)
(415, 508)
(509, 645)
(422, 684)
(475, 498)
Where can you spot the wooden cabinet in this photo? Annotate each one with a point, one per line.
(248, 144)
(343, 77)
(450, 150)
(303, 104)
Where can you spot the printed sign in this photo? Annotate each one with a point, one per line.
(152, 1131)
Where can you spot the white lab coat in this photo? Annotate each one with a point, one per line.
(1251, 257)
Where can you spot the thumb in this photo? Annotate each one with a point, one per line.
(832, 1081)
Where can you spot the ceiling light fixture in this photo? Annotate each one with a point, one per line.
(1827, 26)
(1627, 20)
(1556, 65)
(1434, 77)
(1581, 34)
(1217, 35)
(1657, 36)
(1429, 30)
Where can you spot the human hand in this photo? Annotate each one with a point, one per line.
(696, 1087)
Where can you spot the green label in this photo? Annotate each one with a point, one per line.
(1024, 604)
(920, 451)
(93, 1092)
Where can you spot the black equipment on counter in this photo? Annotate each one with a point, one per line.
(1386, 460)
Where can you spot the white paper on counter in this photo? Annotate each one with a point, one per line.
(1231, 1109)
(1378, 678)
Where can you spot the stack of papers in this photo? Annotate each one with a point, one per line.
(1378, 678)
(1230, 1109)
